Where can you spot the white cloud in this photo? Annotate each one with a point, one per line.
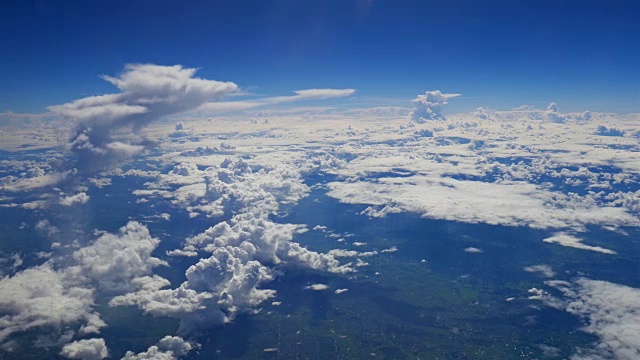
(553, 115)
(17, 261)
(60, 293)
(243, 251)
(168, 348)
(45, 227)
(445, 165)
(351, 253)
(216, 289)
(324, 93)
(390, 250)
(311, 94)
(228, 106)
(79, 198)
(115, 260)
(41, 296)
(428, 106)
(341, 291)
(473, 250)
(537, 294)
(300, 95)
(265, 241)
(361, 263)
(317, 287)
(232, 188)
(493, 170)
(86, 349)
(504, 203)
(574, 242)
(148, 92)
(54, 339)
(544, 270)
(13, 184)
(372, 211)
(612, 312)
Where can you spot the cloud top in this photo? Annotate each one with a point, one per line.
(86, 349)
(429, 106)
(148, 92)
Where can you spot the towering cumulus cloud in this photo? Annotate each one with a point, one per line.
(553, 115)
(148, 92)
(428, 106)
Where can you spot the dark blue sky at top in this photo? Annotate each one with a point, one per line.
(582, 54)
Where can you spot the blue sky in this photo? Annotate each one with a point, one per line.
(581, 54)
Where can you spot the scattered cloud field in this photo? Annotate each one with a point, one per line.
(241, 164)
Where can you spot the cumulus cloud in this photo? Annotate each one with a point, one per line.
(231, 188)
(553, 115)
(317, 287)
(61, 292)
(428, 106)
(216, 289)
(473, 250)
(265, 241)
(86, 349)
(168, 348)
(79, 198)
(481, 113)
(538, 294)
(244, 251)
(235, 187)
(41, 296)
(114, 260)
(148, 92)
